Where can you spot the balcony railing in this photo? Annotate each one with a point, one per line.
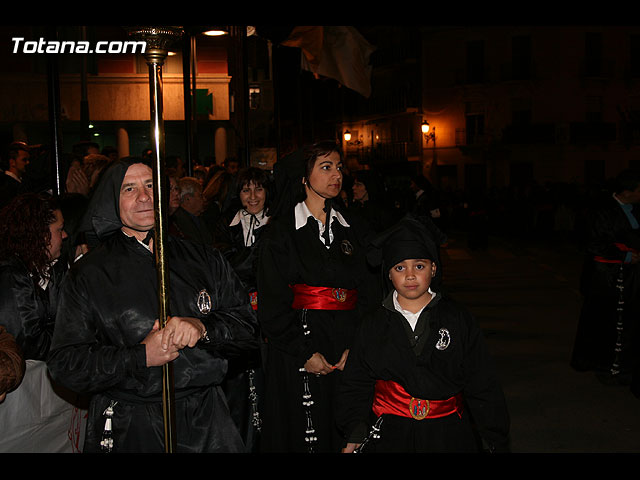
(383, 153)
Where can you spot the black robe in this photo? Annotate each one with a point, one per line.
(387, 349)
(244, 383)
(599, 326)
(109, 304)
(26, 310)
(191, 227)
(287, 257)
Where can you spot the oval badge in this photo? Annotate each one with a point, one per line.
(418, 408)
(444, 340)
(346, 247)
(204, 302)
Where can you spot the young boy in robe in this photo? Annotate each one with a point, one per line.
(419, 377)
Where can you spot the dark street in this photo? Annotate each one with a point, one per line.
(525, 296)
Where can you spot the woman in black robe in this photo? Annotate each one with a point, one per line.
(239, 240)
(314, 286)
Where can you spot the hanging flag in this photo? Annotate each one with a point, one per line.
(345, 58)
(337, 52)
(309, 40)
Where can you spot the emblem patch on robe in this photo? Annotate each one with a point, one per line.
(346, 247)
(204, 302)
(340, 294)
(419, 408)
(253, 298)
(444, 340)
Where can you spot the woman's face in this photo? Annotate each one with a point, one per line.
(252, 197)
(326, 177)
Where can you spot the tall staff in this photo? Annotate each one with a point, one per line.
(158, 40)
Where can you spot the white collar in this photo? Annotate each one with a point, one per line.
(411, 317)
(302, 213)
(138, 240)
(249, 227)
(240, 216)
(44, 280)
(13, 175)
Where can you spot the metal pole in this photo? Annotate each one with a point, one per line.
(53, 85)
(158, 39)
(84, 102)
(187, 52)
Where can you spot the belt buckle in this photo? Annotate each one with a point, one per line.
(418, 408)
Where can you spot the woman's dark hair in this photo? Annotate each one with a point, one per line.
(253, 175)
(24, 230)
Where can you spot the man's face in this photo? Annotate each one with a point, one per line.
(19, 165)
(136, 200)
(57, 236)
(194, 203)
(233, 167)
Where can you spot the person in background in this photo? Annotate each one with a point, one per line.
(368, 201)
(606, 340)
(33, 268)
(12, 364)
(239, 240)
(13, 182)
(188, 217)
(31, 275)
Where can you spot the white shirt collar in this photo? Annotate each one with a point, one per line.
(138, 240)
(411, 317)
(248, 228)
(44, 281)
(240, 216)
(13, 175)
(302, 213)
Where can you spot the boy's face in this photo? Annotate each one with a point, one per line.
(412, 277)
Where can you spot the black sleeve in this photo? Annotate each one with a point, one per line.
(232, 326)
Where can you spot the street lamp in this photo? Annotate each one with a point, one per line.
(426, 134)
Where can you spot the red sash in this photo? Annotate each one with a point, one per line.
(323, 298)
(622, 247)
(391, 398)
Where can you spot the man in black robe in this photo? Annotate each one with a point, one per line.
(107, 341)
(608, 322)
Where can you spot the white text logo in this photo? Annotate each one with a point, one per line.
(68, 46)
